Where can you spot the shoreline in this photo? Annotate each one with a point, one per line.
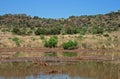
(88, 57)
(48, 61)
(27, 49)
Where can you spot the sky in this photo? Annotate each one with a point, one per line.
(58, 8)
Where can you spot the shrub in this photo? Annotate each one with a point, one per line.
(97, 30)
(40, 31)
(106, 35)
(69, 30)
(82, 30)
(52, 42)
(70, 45)
(23, 31)
(80, 37)
(19, 31)
(48, 31)
(16, 40)
(5, 30)
(15, 31)
(29, 32)
(42, 37)
(112, 28)
(33, 39)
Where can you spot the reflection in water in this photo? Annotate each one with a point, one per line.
(46, 77)
(56, 77)
(84, 70)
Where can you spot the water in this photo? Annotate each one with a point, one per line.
(83, 70)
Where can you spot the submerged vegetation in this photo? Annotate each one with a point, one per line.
(69, 54)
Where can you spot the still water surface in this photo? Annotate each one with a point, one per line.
(84, 70)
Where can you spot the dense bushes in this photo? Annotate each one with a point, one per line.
(21, 24)
(71, 30)
(15, 31)
(83, 30)
(48, 31)
(97, 30)
(22, 31)
(70, 45)
(61, 30)
(52, 42)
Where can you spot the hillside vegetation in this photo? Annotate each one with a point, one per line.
(22, 24)
(85, 32)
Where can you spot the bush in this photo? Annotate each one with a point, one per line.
(48, 31)
(52, 42)
(29, 32)
(42, 37)
(33, 39)
(19, 31)
(5, 30)
(82, 30)
(23, 31)
(15, 31)
(40, 31)
(97, 30)
(80, 37)
(16, 40)
(106, 35)
(70, 45)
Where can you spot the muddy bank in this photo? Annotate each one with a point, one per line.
(19, 49)
(37, 55)
(61, 60)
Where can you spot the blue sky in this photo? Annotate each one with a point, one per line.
(58, 8)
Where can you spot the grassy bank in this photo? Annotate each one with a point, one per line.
(76, 45)
(104, 41)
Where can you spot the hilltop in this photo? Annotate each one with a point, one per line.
(22, 24)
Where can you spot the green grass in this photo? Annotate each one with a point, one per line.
(33, 39)
(69, 54)
(42, 37)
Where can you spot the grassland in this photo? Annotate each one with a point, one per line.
(109, 41)
(90, 47)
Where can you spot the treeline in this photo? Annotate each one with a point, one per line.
(22, 24)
